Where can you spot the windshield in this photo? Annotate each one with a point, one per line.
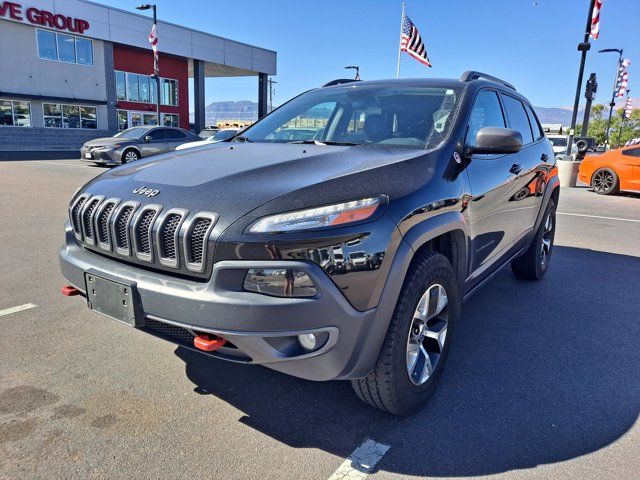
(558, 141)
(414, 117)
(132, 133)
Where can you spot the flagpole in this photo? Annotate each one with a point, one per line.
(400, 42)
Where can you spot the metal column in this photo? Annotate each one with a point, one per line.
(198, 95)
(263, 90)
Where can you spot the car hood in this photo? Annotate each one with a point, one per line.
(233, 179)
(99, 142)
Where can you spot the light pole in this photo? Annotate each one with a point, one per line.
(156, 68)
(583, 47)
(356, 68)
(615, 90)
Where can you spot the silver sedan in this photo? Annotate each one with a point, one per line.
(134, 143)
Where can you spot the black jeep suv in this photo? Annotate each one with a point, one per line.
(344, 252)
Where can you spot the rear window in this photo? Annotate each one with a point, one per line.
(536, 128)
(517, 118)
(632, 152)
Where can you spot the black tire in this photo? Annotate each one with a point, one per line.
(605, 182)
(535, 262)
(129, 156)
(389, 387)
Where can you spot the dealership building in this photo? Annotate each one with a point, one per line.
(74, 70)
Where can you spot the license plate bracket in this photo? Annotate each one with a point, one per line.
(112, 299)
(87, 155)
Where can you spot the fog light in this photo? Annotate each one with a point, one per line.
(308, 340)
(279, 282)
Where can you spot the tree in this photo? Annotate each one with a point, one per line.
(598, 126)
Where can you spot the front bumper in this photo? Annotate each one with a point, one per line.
(260, 327)
(105, 157)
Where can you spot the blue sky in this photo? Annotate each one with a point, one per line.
(530, 43)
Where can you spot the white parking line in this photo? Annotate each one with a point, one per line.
(598, 216)
(19, 308)
(361, 462)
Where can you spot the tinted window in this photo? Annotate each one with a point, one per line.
(533, 121)
(517, 118)
(632, 152)
(486, 112)
(158, 134)
(173, 134)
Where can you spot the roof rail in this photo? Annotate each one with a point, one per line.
(339, 81)
(473, 75)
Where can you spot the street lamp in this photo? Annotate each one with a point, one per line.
(156, 68)
(615, 90)
(356, 68)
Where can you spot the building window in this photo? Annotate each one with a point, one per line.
(170, 120)
(133, 94)
(134, 87)
(15, 113)
(169, 91)
(121, 86)
(123, 119)
(58, 115)
(64, 48)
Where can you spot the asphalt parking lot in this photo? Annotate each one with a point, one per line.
(542, 380)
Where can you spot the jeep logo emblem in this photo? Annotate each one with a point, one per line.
(149, 192)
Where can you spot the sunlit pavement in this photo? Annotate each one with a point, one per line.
(542, 381)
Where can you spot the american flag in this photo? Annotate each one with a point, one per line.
(411, 42)
(595, 19)
(153, 40)
(623, 78)
(628, 109)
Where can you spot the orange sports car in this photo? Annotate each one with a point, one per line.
(612, 171)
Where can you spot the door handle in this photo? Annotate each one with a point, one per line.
(544, 157)
(515, 169)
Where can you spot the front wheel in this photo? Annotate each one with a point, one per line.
(605, 182)
(130, 156)
(417, 343)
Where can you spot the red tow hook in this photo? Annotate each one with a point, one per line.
(208, 343)
(69, 291)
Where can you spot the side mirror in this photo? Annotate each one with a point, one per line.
(497, 140)
(148, 138)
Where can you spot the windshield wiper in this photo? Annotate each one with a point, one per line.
(327, 142)
(241, 138)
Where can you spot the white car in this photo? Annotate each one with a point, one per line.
(219, 136)
(559, 145)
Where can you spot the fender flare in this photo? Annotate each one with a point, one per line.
(370, 345)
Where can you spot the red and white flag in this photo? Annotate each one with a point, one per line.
(595, 19)
(153, 40)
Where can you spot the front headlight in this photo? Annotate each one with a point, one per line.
(318, 217)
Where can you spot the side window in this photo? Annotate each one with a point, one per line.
(536, 128)
(632, 152)
(158, 134)
(517, 118)
(175, 134)
(486, 112)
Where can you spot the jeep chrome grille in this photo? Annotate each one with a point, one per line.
(147, 233)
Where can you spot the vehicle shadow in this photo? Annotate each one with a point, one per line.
(539, 372)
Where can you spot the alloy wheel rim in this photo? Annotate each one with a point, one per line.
(130, 157)
(603, 181)
(427, 334)
(547, 239)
